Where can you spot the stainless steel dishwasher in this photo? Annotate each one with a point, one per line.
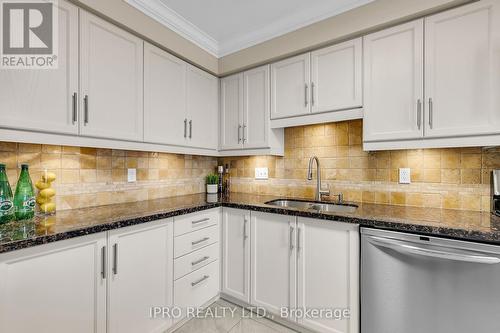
(415, 284)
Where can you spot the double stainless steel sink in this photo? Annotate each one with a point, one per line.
(314, 206)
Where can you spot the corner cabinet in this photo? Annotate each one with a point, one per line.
(111, 80)
(245, 115)
(306, 264)
(45, 100)
(434, 82)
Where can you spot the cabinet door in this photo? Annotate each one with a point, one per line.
(236, 253)
(256, 108)
(273, 261)
(202, 108)
(231, 111)
(328, 273)
(56, 287)
(164, 97)
(42, 100)
(462, 71)
(290, 91)
(140, 276)
(111, 80)
(336, 77)
(393, 83)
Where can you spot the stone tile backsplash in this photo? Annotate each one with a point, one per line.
(455, 178)
(91, 177)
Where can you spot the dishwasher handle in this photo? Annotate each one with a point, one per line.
(402, 247)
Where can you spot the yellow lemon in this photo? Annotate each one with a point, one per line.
(48, 207)
(41, 201)
(42, 185)
(47, 193)
(48, 177)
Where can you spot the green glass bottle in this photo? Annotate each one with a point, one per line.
(24, 199)
(6, 204)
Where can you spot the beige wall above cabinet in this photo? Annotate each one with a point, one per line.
(245, 115)
(322, 86)
(457, 104)
(111, 80)
(43, 100)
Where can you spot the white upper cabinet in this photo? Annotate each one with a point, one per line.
(140, 275)
(202, 108)
(45, 100)
(336, 77)
(111, 74)
(462, 71)
(393, 83)
(290, 90)
(256, 108)
(231, 111)
(164, 97)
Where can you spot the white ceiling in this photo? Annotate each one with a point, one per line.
(225, 26)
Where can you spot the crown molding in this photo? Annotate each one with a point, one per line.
(177, 23)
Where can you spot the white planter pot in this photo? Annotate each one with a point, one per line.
(212, 188)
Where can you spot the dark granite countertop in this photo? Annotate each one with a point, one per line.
(464, 225)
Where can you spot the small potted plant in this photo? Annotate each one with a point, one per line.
(212, 183)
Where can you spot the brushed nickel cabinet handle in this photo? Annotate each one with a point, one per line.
(103, 262)
(75, 116)
(200, 280)
(312, 93)
(419, 113)
(291, 238)
(200, 221)
(190, 129)
(244, 136)
(431, 112)
(305, 95)
(245, 235)
(200, 241)
(86, 110)
(199, 261)
(115, 259)
(239, 134)
(185, 128)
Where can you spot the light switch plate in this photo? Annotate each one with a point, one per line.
(404, 176)
(131, 175)
(261, 173)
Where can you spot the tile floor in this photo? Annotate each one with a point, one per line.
(237, 323)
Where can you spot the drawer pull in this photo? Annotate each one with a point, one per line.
(200, 280)
(194, 263)
(200, 241)
(200, 221)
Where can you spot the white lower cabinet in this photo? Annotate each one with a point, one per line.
(54, 288)
(328, 273)
(105, 282)
(236, 254)
(196, 263)
(273, 261)
(140, 276)
(305, 266)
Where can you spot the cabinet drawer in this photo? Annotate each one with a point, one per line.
(197, 288)
(192, 222)
(195, 240)
(195, 260)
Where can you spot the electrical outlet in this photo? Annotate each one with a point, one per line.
(131, 175)
(404, 176)
(261, 173)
